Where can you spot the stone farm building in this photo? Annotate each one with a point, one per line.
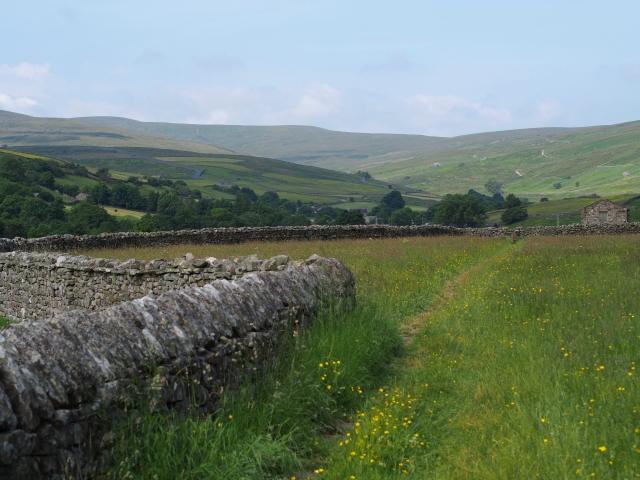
(604, 211)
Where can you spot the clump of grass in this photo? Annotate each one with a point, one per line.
(276, 425)
(4, 321)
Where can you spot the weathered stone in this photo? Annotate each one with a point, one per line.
(15, 444)
(60, 376)
(274, 262)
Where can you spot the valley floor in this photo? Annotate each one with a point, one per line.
(519, 361)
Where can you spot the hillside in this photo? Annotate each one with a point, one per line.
(298, 144)
(529, 162)
(209, 172)
(20, 130)
(603, 160)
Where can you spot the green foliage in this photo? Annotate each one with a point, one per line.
(393, 200)
(461, 211)
(402, 217)
(557, 185)
(515, 214)
(544, 199)
(354, 217)
(512, 201)
(493, 186)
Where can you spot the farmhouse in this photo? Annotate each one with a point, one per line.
(604, 211)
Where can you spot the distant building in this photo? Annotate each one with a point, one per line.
(492, 225)
(604, 211)
(4, 145)
(81, 197)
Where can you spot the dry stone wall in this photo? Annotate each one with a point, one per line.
(58, 375)
(39, 285)
(66, 243)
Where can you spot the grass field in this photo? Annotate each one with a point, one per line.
(520, 362)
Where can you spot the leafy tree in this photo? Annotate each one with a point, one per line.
(103, 174)
(350, 218)
(297, 220)
(514, 210)
(168, 203)
(460, 210)
(544, 199)
(126, 195)
(249, 193)
(34, 211)
(393, 200)
(404, 216)
(269, 198)
(100, 194)
(221, 217)
(515, 214)
(306, 210)
(152, 201)
(47, 180)
(512, 201)
(577, 184)
(324, 220)
(493, 186)
(12, 168)
(557, 185)
(242, 204)
(86, 217)
(328, 211)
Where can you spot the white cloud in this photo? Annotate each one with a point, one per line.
(447, 114)
(30, 71)
(16, 104)
(315, 101)
(262, 106)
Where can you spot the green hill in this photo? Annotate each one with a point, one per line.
(208, 173)
(201, 165)
(298, 144)
(529, 162)
(603, 160)
(20, 130)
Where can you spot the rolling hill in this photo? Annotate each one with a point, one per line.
(20, 130)
(298, 144)
(603, 160)
(528, 162)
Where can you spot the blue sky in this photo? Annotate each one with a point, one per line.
(435, 68)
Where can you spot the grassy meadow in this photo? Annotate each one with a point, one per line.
(466, 358)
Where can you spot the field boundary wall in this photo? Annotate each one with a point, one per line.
(64, 380)
(67, 243)
(40, 285)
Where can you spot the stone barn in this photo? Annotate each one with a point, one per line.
(604, 211)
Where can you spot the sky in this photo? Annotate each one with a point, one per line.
(404, 66)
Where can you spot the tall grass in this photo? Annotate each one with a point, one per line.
(529, 372)
(284, 423)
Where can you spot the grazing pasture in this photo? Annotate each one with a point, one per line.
(466, 358)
